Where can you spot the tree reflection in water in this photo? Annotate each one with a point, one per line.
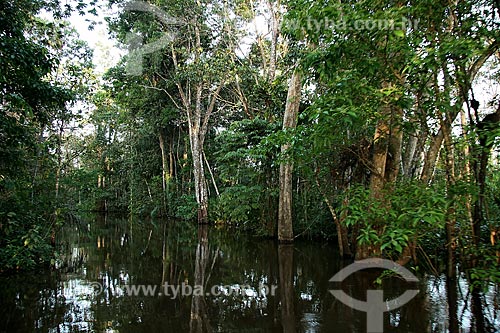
(286, 286)
(119, 253)
(199, 322)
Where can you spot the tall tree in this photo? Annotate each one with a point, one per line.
(285, 218)
(196, 66)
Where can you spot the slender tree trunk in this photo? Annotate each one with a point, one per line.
(212, 177)
(393, 163)
(414, 143)
(431, 156)
(485, 130)
(101, 182)
(449, 161)
(342, 238)
(466, 174)
(274, 25)
(59, 157)
(165, 174)
(418, 158)
(285, 220)
(37, 165)
(165, 257)
(437, 140)
(164, 162)
(171, 169)
(198, 117)
(410, 151)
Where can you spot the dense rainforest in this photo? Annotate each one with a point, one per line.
(374, 124)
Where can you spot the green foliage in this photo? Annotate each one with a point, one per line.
(486, 273)
(137, 157)
(240, 204)
(493, 197)
(44, 69)
(245, 170)
(186, 208)
(25, 232)
(409, 212)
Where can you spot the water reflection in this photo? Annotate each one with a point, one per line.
(286, 286)
(119, 254)
(452, 298)
(199, 322)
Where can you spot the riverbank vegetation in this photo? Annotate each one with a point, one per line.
(371, 123)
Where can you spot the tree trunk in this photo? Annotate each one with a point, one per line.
(377, 179)
(285, 224)
(485, 128)
(380, 150)
(165, 174)
(216, 188)
(393, 163)
(386, 162)
(344, 249)
(431, 157)
(274, 25)
(410, 151)
(59, 157)
(437, 140)
(200, 184)
(449, 161)
(198, 117)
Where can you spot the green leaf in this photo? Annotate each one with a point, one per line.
(399, 33)
(398, 248)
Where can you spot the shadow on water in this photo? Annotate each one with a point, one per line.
(119, 275)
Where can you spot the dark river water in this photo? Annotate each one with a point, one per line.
(119, 275)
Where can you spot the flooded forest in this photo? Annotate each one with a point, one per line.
(249, 166)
